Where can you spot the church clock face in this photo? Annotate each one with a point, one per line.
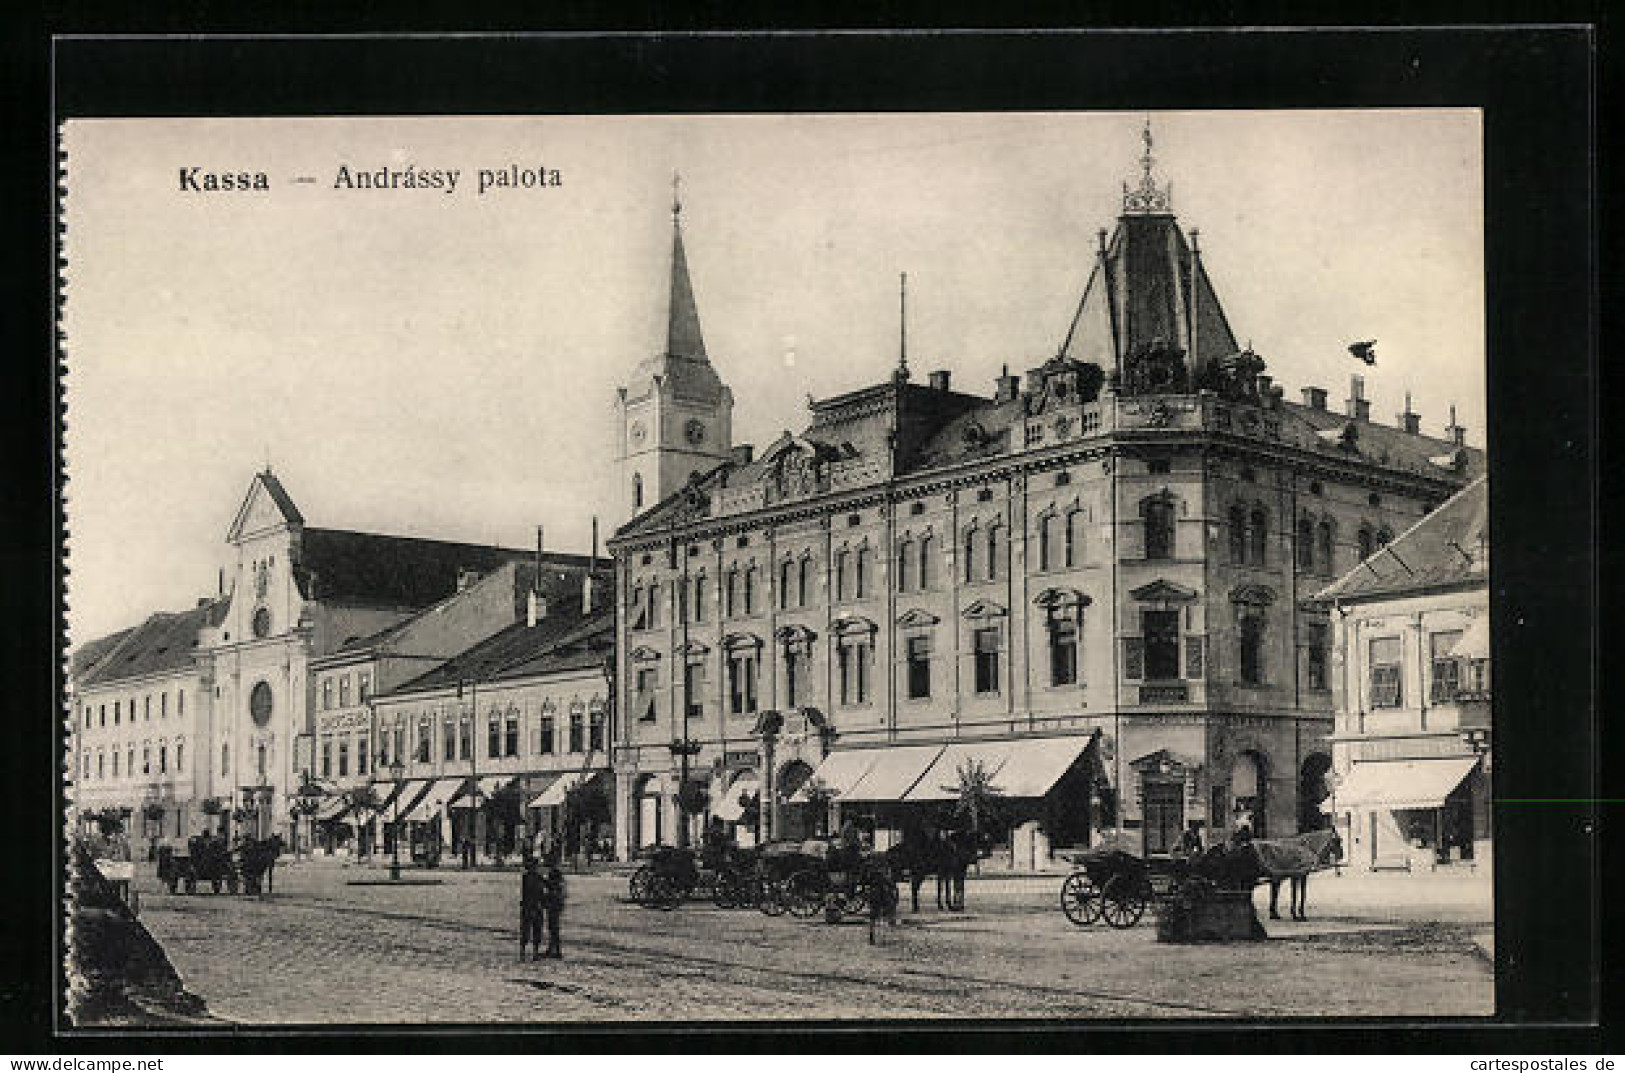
(262, 622)
(695, 431)
(639, 433)
(259, 703)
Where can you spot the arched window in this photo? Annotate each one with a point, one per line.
(655, 598)
(699, 597)
(1259, 536)
(1306, 544)
(637, 491)
(905, 564)
(1158, 514)
(750, 589)
(1074, 537)
(180, 756)
(995, 550)
(733, 591)
(926, 578)
(1367, 542)
(1048, 544)
(865, 571)
(115, 762)
(785, 580)
(1238, 534)
(970, 554)
(804, 580)
(1252, 647)
(843, 574)
(1326, 552)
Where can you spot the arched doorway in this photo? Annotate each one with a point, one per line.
(1313, 790)
(646, 812)
(799, 820)
(1249, 792)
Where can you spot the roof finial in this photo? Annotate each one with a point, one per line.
(1147, 198)
(902, 327)
(676, 196)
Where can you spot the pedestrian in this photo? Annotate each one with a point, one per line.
(553, 893)
(532, 908)
(1190, 843)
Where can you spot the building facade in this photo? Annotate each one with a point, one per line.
(1093, 582)
(1412, 749)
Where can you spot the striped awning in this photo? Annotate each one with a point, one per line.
(331, 809)
(840, 771)
(553, 796)
(489, 786)
(894, 774)
(729, 809)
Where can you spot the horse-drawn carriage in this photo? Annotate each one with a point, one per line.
(823, 876)
(1115, 886)
(211, 859)
(672, 875)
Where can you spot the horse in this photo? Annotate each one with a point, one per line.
(947, 855)
(258, 857)
(1293, 858)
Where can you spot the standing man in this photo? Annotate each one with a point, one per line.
(554, 896)
(532, 907)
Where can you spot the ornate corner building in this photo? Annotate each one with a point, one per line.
(1094, 582)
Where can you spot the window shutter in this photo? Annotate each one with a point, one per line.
(1133, 657)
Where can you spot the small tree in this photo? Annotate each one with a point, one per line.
(585, 808)
(979, 801)
(109, 822)
(363, 801)
(819, 797)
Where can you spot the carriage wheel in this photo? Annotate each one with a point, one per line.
(637, 888)
(1122, 903)
(664, 893)
(770, 897)
(804, 895)
(1080, 899)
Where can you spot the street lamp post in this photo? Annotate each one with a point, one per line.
(397, 768)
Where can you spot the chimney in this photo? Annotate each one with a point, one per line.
(222, 591)
(1410, 422)
(1457, 433)
(535, 609)
(742, 454)
(1359, 407)
(939, 380)
(1008, 386)
(1315, 398)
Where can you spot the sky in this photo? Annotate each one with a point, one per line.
(434, 364)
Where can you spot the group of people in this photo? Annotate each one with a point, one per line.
(541, 904)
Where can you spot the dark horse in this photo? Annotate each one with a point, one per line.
(947, 855)
(258, 861)
(1293, 859)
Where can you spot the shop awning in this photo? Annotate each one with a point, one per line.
(941, 780)
(553, 796)
(729, 809)
(331, 809)
(489, 785)
(432, 800)
(1397, 784)
(384, 793)
(840, 771)
(894, 773)
(1037, 764)
(1475, 642)
(546, 782)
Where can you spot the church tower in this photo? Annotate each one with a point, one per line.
(674, 418)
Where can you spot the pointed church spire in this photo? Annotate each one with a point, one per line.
(1148, 197)
(901, 373)
(683, 338)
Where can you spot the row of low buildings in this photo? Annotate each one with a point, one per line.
(1137, 588)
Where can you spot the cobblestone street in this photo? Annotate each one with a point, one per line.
(323, 949)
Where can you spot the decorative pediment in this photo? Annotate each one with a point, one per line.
(644, 654)
(1062, 597)
(267, 506)
(1163, 592)
(795, 634)
(1252, 595)
(693, 648)
(917, 617)
(983, 609)
(741, 640)
(854, 624)
(1164, 762)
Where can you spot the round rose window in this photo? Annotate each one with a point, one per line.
(259, 703)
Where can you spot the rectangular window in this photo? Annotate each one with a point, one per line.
(146, 754)
(101, 713)
(1446, 667)
(327, 693)
(644, 702)
(575, 732)
(364, 682)
(493, 739)
(425, 728)
(163, 759)
(399, 750)
(863, 654)
(699, 598)
(742, 683)
(163, 705)
(919, 667)
(344, 691)
(344, 757)
(327, 757)
(595, 730)
(1387, 683)
(146, 707)
(360, 755)
(1316, 670)
(654, 605)
(510, 735)
(180, 702)
(117, 708)
(694, 689)
(545, 744)
(1063, 650)
(795, 676)
(465, 738)
(987, 659)
(1161, 630)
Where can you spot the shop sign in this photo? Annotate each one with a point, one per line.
(337, 722)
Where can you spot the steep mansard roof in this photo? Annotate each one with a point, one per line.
(1450, 546)
(520, 649)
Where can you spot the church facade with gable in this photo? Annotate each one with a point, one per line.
(1092, 583)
